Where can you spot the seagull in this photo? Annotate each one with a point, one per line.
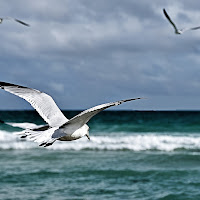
(17, 20)
(58, 126)
(178, 31)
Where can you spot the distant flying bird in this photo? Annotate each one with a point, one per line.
(17, 20)
(178, 31)
(59, 127)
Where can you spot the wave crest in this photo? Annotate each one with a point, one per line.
(140, 142)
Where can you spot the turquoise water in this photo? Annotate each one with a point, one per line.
(131, 155)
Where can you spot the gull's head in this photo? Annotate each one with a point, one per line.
(81, 132)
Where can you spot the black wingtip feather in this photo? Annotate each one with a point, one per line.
(165, 12)
(42, 144)
(48, 144)
(4, 84)
(21, 22)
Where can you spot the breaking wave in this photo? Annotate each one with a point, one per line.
(25, 125)
(114, 141)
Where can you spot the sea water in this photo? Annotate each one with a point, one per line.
(131, 155)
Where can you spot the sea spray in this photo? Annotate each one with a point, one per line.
(132, 142)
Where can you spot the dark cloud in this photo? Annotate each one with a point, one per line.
(86, 52)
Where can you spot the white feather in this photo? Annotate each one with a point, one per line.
(43, 103)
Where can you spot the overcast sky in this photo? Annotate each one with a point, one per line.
(87, 52)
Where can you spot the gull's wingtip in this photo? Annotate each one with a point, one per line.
(165, 12)
(21, 22)
(138, 98)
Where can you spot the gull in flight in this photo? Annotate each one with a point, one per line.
(17, 20)
(59, 127)
(178, 31)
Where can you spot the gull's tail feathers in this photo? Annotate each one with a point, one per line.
(43, 138)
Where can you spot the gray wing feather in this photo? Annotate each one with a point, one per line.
(43, 103)
(79, 120)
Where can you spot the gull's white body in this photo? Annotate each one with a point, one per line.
(59, 127)
(83, 131)
(176, 30)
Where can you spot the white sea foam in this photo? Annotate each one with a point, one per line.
(139, 142)
(135, 143)
(25, 125)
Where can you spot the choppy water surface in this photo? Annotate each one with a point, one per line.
(131, 155)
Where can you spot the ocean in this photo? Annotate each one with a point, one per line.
(142, 155)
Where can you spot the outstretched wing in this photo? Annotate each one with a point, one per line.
(195, 28)
(82, 118)
(189, 29)
(169, 19)
(42, 102)
(21, 22)
(17, 20)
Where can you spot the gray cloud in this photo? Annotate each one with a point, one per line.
(86, 52)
